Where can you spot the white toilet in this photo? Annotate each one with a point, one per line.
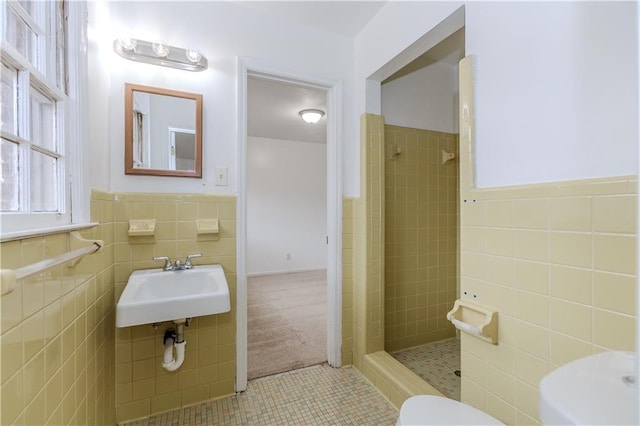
(437, 410)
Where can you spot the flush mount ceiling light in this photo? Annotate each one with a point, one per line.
(160, 54)
(311, 116)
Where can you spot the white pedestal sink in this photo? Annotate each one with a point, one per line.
(154, 295)
(600, 389)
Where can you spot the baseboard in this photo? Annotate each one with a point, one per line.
(288, 271)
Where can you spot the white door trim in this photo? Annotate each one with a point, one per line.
(258, 68)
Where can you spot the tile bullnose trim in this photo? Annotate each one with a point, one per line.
(592, 186)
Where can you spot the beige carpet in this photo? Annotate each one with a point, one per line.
(287, 322)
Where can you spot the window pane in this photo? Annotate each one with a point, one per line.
(20, 36)
(42, 121)
(44, 187)
(9, 100)
(29, 7)
(9, 166)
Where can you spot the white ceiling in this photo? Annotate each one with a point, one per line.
(273, 111)
(346, 18)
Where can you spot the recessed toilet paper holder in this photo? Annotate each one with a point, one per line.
(475, 319)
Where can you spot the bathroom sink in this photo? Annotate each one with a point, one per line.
(597, 389)
(154, 295)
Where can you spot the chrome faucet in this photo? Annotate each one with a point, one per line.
(188, 264)
(168, 266)
(178, 265)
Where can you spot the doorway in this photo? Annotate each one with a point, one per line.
(256, 69)
(286, 228)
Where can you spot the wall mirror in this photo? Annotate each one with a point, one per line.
(163, 132)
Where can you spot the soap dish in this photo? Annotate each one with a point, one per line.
(207, 226)
(141, 227)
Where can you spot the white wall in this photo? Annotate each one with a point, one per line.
(557, 93)
(223, 32)
(557, 96)
(425, 99)
(286, 206)
(557, 88)
(97, 153)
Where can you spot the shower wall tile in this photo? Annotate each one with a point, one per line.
(421, 233)
(573, 290)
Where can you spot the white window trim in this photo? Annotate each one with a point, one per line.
(76, 204)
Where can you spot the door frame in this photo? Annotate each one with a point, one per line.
(253, 67)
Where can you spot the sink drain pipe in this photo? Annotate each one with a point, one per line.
(174, 339)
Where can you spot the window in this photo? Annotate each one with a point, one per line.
(37, 133)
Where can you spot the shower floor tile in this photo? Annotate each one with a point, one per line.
(318, 395)
(436, 363)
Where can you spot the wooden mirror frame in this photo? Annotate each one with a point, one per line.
(128, 132)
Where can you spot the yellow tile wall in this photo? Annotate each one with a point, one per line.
(143, 387)
(421, 236)
(567, 289)
(347, 280)
(57, 343)
(368, 243)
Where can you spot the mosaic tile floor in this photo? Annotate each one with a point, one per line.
(318, 395)
(436, 363)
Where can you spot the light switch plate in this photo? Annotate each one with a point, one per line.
(221, 176)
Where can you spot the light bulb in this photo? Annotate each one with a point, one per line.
(127, 43)
(160, 49)
(193, 55)
(311, 116)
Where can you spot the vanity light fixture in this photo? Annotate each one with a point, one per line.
(193, 55)
(157, 53)
(311, 116)
(160, 50)
(127, 43)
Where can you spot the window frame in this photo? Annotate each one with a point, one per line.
(70, 125)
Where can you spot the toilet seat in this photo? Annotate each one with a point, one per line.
(437, 410)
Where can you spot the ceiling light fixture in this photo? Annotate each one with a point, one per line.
(311, 116)
(160, 54)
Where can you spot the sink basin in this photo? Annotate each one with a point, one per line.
(597, 389)
(154, 295)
